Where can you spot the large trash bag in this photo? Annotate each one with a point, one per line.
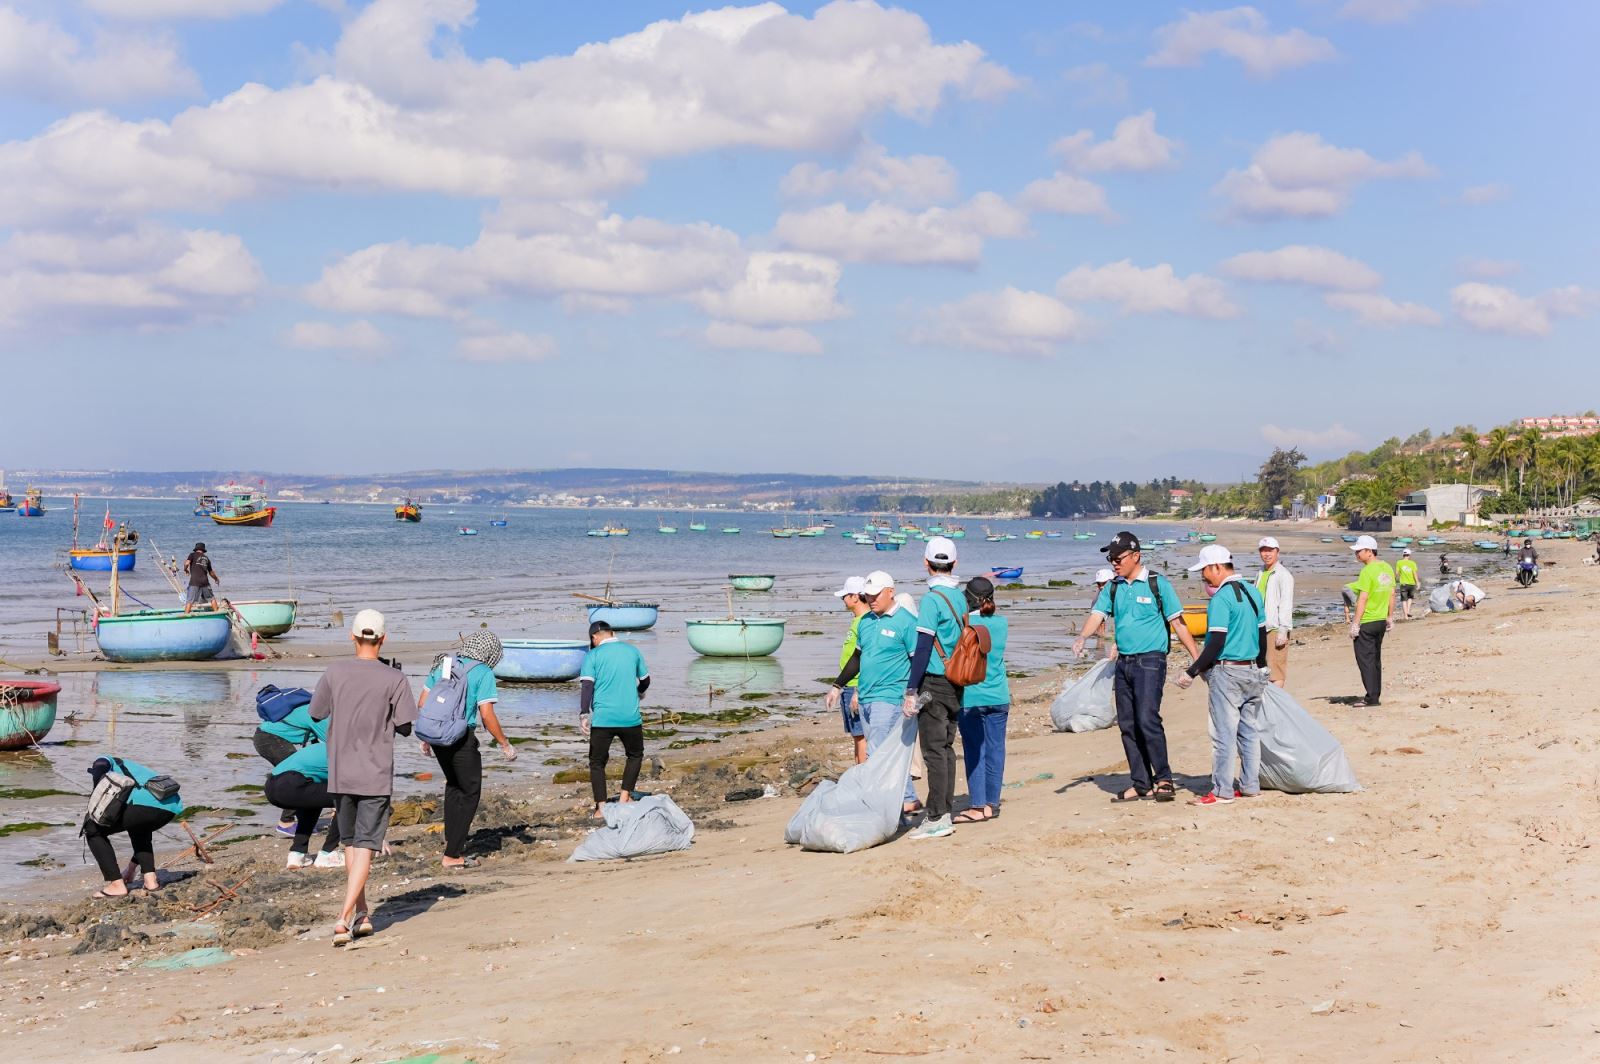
(1088, 703)
(1440, 600)
(637, 829)
(863, 808)
(1298, 755)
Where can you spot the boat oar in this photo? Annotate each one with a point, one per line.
(594, 598)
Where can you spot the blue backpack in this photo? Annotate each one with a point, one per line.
(443, 718)
(273, 703)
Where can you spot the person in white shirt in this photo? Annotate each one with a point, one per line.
(1276, 585)
(1466, 594)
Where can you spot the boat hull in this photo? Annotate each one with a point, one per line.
(743, 637)
(752, 583)
(1012, 573)
(259, 519)
(1194, 619)
(625, 616)
(162, 636)
(268, 618)
(99, 561)
(414, 516)
(540, 660)
(27, 712)
(887, 545)
(26, 510)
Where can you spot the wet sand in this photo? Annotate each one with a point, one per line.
(1441, 914)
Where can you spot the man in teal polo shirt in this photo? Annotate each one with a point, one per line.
(1144, 608)
(886, 639)
(610, 684)
(1231, 662)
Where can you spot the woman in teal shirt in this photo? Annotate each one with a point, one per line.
(300, 782)
(985, 708)
(142, 816)
(462, 764)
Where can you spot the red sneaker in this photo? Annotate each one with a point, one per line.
(1211, 799)
(1240, 794)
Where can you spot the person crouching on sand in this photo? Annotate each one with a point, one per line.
(611, 682)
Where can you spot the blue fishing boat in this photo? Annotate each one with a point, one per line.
(1012, 573)
(498, 522)
(163, 635)
(104, 554)
(1486, 544)
(1349, 539)
(625, 616)
(541, 660)
(206, 504)
(32, 504)
(886, 544)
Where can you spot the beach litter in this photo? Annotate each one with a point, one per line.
(1087, 703)
(200, 957)
(1298, 755)
(637, 829)
(862, 809)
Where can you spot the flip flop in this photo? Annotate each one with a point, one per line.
(1137, 796)
(969, 816)
(1164, 791)
(102, 894)
(466, 862)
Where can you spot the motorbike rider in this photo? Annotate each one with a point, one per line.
(1528, 556)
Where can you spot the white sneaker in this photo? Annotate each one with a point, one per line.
(298, 860)
(934, 829)
(330, 859)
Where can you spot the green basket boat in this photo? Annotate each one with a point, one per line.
(268, 618)
(750, 582)
(27, 712)
(734, 637)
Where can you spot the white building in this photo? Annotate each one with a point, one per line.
(1441, 502)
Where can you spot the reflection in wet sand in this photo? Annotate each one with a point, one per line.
(729, 675)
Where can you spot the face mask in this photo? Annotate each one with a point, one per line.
(1211, 590)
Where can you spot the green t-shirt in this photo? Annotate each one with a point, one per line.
(995, 690)
(851, 639)
(1405, 571)
(310, 761)
(1377, 580)
(481, 687)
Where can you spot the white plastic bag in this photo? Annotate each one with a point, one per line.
(637, 829)
(1440, 600)
(863, 808)
(1088, 703)
(1298, 755)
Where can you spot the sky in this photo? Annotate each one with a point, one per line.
(1014, 242)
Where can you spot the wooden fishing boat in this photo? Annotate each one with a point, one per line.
(616, 530)
(731, 530)
(886, 544)
(246, 506)
(746, 582)
(498, 522)
(665, 529)
(268, 618)
(955, 531)
(206, 504)
(32, 504)
(734, 637)
(163, 635)
(465, 531)
(1207, 537)
(27, 712)
(541, 660)
(1083, 535)
(697, 526)
(1037, 533)
(1052, 535)
(408, 511)
(1013, 572)
(6, 502)
(103, 555)
(598, 533)
(1349, 539)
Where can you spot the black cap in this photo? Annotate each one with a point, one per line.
(596, 627)
(1120, 544)
(979, 588)
(201, 547)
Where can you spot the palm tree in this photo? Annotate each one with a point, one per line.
(1471, 451)
(1501, 451)
(1527, 448)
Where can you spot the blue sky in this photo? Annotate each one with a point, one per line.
(1008, 242)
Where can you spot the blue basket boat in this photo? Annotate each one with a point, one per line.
(541, 660)
(625, 616)
(162, 635)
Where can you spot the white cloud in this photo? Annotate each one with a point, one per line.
(1301, 175)
(1152, 290)
(778, 288)
(175, 9)
(1009, 321)
(1303, 264)
(880, 232)
(735, 336)
(1065, 194)
(505, 347)
(1101, 86)
(1478, 195)
(42, 61)
(360, 336)
(1392, 11)
(1333, 438)
(150, 276)
(1493, 308)
(1490, 268)
(1240, 33)
(1372, 308)
(1133, 145)
(911, 181)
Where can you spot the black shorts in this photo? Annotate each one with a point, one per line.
(363, 819)
(1407, 592)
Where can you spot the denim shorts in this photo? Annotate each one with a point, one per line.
(851, 713)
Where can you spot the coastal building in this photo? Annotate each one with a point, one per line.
(1440, 503)
(1177, 497)
(1560, 425)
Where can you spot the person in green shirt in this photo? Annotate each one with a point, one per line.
(850, 595)
(1371, 617)
(1406, 581)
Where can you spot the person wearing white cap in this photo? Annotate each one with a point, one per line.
(1276, 587)
(941, 614)
(885, 640)
(850, 595)
(1371, 616)
(1406, 582)
(1108, 643)
(366, 702)
(1232, 660)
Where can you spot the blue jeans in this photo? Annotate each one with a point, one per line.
(1138, 690)
(852, 716)
(882, 719)
(1235, 706)
(983, 747)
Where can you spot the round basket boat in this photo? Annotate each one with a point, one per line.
(625, 616)
(750, 582)
(541, 660)
(27, 712)
(1194, 618)
(737, 637)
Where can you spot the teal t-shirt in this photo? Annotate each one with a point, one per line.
(480, 688)
(1240, 619)
(142, 775)
(936, 617)
(310, 761)
(615, 668)
(1139, 626)
(995, 690)
(887, 643)
(298, 727)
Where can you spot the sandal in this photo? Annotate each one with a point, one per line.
(363, 925)
(1165, 791)
(101, 893)
(969, 816)
(466, 862)
(1132, 794)
(341, 934)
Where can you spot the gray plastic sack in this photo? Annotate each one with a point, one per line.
(863, 808)
(637, 829)
(1298, 755)
(1440, 600)
(1088, 703)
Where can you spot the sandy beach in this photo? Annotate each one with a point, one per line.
(1440, 914)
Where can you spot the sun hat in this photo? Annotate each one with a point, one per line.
(939, 549)
(1212, 554)
(853, 585)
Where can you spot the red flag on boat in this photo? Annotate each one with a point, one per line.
(109, 524)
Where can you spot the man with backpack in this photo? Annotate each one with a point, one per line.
(1144, 613)
(1232, 662)
(458, 693)
(366, 702)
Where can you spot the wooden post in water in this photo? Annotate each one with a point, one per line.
(116, 585)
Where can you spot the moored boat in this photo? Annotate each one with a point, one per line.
(734, 637)
(408, 511)
(268, 618)
(697, 526)
(27, 712)
(466, 531)
(750, 582)
(206, 504)
(886, 544)
(665, 529)
(499, 522)
(1013, 572)
(625, 616)
(97, 560)
(246, 507)
(1486, 544)
(163, 635)
(731, 530)
(32, 504)
(541, 660)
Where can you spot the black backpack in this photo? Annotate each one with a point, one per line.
(1155, 589)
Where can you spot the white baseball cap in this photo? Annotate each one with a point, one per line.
(940, 549)
(367, 625)
(1104, 576)
(1267, 541)
(1212, 554)
(853, 585)
(876, 581)
(1406, 551)
(1364, 543)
